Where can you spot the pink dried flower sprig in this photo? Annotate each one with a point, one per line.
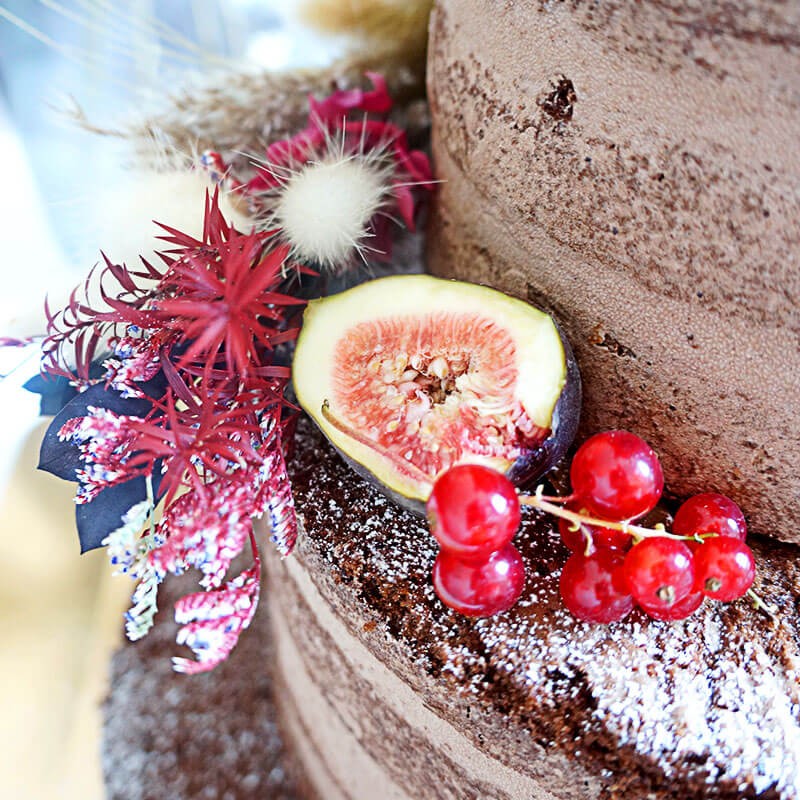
(212, 621)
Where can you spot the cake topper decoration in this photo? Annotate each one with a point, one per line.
(176, 422)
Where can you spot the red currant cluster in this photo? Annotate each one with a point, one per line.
(615, 564)
(474, 513)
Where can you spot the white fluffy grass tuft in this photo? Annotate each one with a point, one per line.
(325, 209)
(124, 220)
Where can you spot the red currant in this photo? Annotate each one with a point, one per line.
(587, 538)
(617, 475)
(680, 610)
(710, 513)
(593, 587)
(479, 589)
(473, 511)
(660, 572)
(724, 568)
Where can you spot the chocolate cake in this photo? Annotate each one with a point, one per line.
(382, 691)
(214, 736)
(629, 167)
(633, 168)
(383, 688)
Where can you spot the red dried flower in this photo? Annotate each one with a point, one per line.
(204, 327)
(78, 334)
(226, 308)
(208, 440)
(201, 331)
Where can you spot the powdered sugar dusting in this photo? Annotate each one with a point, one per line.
(706, 707)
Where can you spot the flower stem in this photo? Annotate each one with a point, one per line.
(151, 502)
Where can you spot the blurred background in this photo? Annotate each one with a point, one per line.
(61, 613)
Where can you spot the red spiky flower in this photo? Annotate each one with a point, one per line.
(209, 440)
(227, 307)
(204, 327)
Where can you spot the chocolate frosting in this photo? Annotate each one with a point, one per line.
(633, 168)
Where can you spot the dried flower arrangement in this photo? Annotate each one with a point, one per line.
(171, 394)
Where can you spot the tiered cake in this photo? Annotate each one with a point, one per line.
(381, 691)
(631, 168)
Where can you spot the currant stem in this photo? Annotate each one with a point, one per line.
(762, 605)
(539, 501)
(546, 504)
(556, 499)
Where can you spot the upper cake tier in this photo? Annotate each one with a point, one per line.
(634, 169)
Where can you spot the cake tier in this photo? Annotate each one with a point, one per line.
(173, 737)
(634, 169)
(387, 693)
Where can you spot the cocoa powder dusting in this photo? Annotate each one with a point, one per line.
(707, 707)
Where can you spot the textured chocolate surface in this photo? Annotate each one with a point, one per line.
(708, 707)
(208, 736)
(633, 168)
(702, 708)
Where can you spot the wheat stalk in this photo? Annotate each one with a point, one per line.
(242, 111)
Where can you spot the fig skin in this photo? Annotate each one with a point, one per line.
(395, 295)
(566, 417)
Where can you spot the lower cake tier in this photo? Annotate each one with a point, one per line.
(361, 729)
(384, 692)
(168, 736)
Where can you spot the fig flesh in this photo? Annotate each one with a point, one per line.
(410, 374)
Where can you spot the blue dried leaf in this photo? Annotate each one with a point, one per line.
(103, 515)
(96, 519)
(62, 458)
(55, 392)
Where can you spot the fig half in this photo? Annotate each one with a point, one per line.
(410, 374)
